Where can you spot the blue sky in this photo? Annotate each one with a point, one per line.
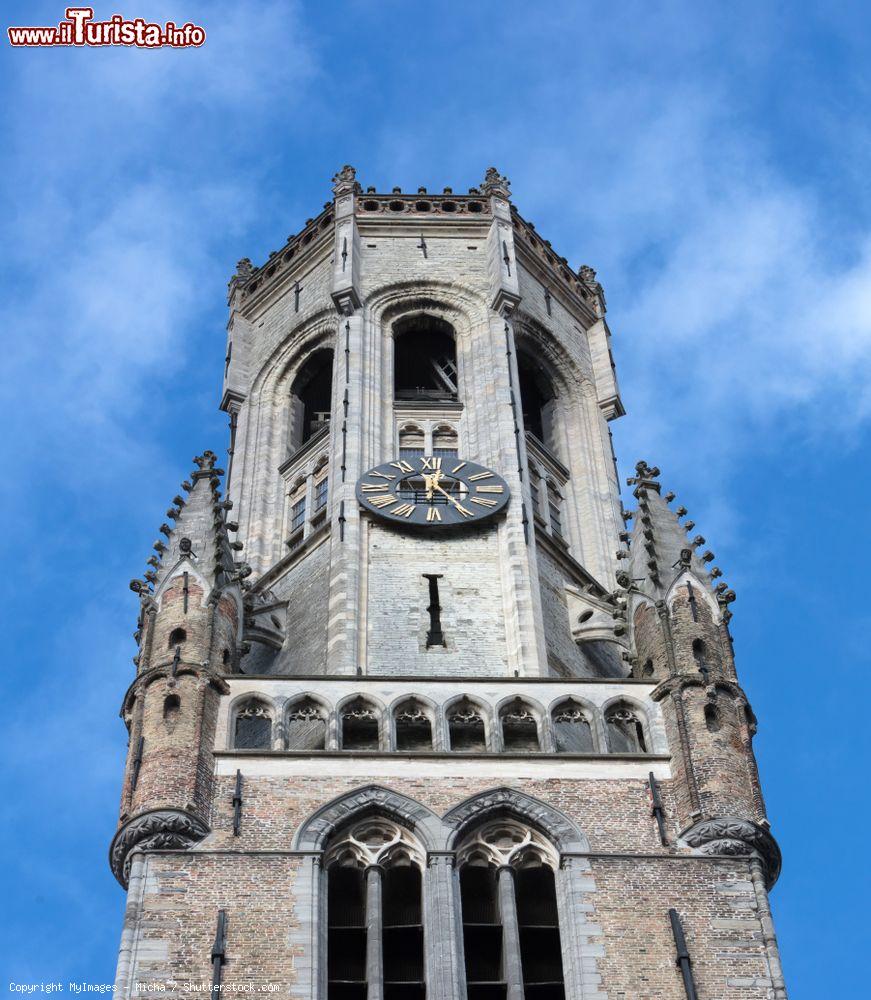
(710, 160)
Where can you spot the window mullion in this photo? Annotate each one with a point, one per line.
(510, 934)
(374, 950)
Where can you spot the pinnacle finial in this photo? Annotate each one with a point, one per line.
(496, 183)
(345, 181)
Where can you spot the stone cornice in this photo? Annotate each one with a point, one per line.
(158, 828)
(731, 836)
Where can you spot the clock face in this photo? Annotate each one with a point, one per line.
(432, 492)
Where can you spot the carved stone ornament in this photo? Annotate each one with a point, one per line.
(160, 829)
(345, 181)
(496, 184)
(729, 836)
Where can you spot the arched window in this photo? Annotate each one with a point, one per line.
(536, 400)
(519, 727)
(535, 488)
(306, 726)
(171, 709)
(510, 920)
(445, 443)
(360, 730)
(625, 730)
(176, 637)
(253, 727)
(411, 441)
(311, 398)
(572, 731)
(466, 727)
(413, 726)
(712, 718)
(425, 359)
(374, 891)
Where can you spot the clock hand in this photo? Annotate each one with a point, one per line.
(456, 503)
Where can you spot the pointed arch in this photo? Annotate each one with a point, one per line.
(484, 806)
(370, 800)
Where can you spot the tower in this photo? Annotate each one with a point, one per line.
(419, 710)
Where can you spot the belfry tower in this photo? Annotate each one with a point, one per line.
(420, 711)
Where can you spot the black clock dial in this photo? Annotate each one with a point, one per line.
(432, 491)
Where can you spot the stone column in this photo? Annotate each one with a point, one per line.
(445, 972)
(374, 953)
(580, 936)
(510, 934)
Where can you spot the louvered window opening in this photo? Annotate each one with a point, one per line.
(519, 731)
(402, 933)
(482, 933)
(538, 922)
(306, 728)
(413, 730)
(467, 733)
(253, 729)
(360, 729)
(625, 732)
(346, 934)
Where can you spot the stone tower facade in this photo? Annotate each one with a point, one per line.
(420, 711)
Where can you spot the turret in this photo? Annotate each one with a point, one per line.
(189, 624)
(679, 612)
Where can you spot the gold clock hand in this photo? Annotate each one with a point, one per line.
(456, 503)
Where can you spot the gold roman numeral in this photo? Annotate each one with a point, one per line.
(374, 487)
(491, 489)
(433, 464)
(458, 467)
(480, 475)
(384, 500)
(484, 502)
(382, 475)
(404, 510)
(402, 465)
(433, 514)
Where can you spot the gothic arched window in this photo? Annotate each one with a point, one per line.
(519, 727)
(311, 398)
(572, 732)
(252, 729)
(360, 726)
(413, 726)
(374, 891)
(424, 359)
(306, 726)
(466, 727)
(625, 730)
(508, 901)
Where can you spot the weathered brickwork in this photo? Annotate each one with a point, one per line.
(563, 703)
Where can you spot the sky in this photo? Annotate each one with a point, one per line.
(709, 160)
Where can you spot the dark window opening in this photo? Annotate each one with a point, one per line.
(571, 730)
(253, 728)
(536, 400)
(554, 508)
(322, 489)
(625, 731)
(482, 933)
(466, 729)
(171, 708)
(411, 442)
(538, 920)
(311, 398)
(402, 932)
(434, 635)
(306, 726)
(425, 360)
(413, 728)
(700, 656)
(647, 669)
(712, 718)
(519, 729)
(359, 727)
(176, 637)
(225, 657)
(346, 934)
